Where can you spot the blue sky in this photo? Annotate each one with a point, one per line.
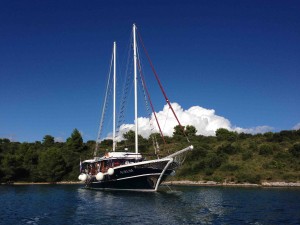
(240, 58)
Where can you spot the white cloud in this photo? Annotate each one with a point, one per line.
(296, 127)
(11, 137)
(205, 121)
(59, 139)
(254, 130)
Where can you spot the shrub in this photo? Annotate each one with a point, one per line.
(208, 171)
(197, 153)
(290, 177)
(214, 161)
(253, 146)
(265, 149)
(217, 179)
(229, 167)
(274, 165)
(248, 178)
(295, 150)
(197, 166)
(228, 149)
(247, 155)
(282, 156)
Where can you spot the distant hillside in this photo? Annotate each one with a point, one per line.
(243, 158)
(228, 156)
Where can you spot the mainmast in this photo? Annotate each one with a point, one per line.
(135, 88)
(114, 101)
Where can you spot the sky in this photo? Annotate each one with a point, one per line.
(231, 64)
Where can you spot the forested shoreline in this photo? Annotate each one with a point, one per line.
(227, 157)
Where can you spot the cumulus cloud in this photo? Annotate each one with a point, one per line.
(204, 120)
(296, 127)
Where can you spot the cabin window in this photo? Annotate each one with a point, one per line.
(103, 166)
(116, 163)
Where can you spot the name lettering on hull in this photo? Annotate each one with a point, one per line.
(126, 171)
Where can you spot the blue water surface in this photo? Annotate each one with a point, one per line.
(70, 204)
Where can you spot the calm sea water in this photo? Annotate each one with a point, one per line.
(70, 204)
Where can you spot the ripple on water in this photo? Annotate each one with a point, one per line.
(69, 204)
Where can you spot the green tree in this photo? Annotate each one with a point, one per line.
(178, 130)
(130, 140)
(52, 166)
(9, 165)
(30, 162)
(244, 135)
(48, 141)
(190, 131)
(224, 134)
(129, 136)
(75, 142)
(12, 168)
(72, 151)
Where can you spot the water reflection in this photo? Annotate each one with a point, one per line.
(184, 205)
(212, 204)
(196, 206)
(199, 206)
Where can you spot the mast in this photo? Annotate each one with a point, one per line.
(114, 101)
(135, 88)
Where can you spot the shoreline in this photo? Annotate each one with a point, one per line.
(181, 183)
(41, 183)
(230, 184)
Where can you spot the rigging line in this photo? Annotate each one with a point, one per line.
(104, 106)
(105, 109)
(125, 103)
(154, 140)
(125, 86)
(160, 85)
(148, 95)
(125, 61)
(143, 89)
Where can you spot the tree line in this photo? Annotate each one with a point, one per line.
(230, 156)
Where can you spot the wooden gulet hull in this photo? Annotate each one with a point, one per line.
(141, 176)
